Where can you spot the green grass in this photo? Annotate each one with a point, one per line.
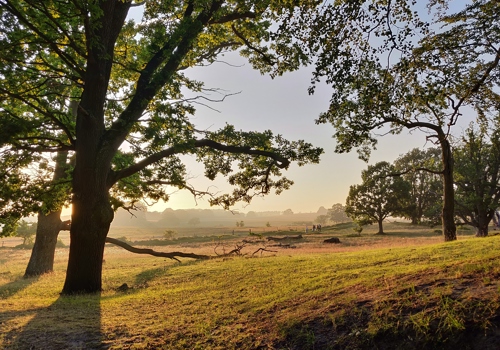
(432, 296)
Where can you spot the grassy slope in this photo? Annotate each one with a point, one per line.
(433, 296)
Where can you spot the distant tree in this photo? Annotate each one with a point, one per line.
(237, 224)
(194, 221)
(322, 211)
(251, 214)
(337, 213)
(379, 195)
(170, 234)
(169, 218)
(477, 177)
(268, 224)
(421, 169)
(242, 223)
(322, 219)
(26, 231)
(288, 212)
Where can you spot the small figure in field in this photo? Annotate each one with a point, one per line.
(307, 230)
(314, 228)
(319, 227)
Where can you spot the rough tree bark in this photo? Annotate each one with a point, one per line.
(448, 212)
(91, 208)
(42, 255)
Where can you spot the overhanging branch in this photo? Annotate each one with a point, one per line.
(280, 161)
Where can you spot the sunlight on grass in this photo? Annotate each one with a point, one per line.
(298, 300)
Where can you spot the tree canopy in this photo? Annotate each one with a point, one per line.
(397, 65)
(379, 196)
(135, 103)
(421, 167)
(477, 177)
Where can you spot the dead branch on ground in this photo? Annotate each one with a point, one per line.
(171, 255)
(261, 250)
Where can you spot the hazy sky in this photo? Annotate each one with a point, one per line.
(284, 106)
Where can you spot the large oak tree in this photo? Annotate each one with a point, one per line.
(394, 66)
(133, 117)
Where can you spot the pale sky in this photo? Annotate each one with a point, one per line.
(284, 106)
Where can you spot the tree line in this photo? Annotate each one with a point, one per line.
(411, 187)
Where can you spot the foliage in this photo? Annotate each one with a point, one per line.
(322, 219)
(26, 231)
(337, 213)
(378, 196)
(439, 70)
(477, 173)
(421, 169)
(170, 235)
(288, 212)
(52, 67)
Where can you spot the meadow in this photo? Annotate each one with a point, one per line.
(402, 290)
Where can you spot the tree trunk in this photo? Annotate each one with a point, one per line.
(42, 255)
(91, 218)
(482, 227)
(49, 225)
(92, 213)
(380, 228)
(448, 212)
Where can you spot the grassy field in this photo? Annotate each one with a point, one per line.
(403, 290)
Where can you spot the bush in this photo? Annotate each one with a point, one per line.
(170, 235)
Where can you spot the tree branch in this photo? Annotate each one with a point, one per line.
(171, 255)
(280, 161)
(265, 57)
(233, 16)
(153, 78)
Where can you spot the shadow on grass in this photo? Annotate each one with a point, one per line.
(71, 322)
(144, 277)
(350, 331)
(14, 287)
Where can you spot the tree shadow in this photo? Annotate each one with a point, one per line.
(71, 322)
(14, 287)
(146, 276)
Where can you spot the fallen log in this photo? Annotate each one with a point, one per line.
(171, 255)
(332, 240)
